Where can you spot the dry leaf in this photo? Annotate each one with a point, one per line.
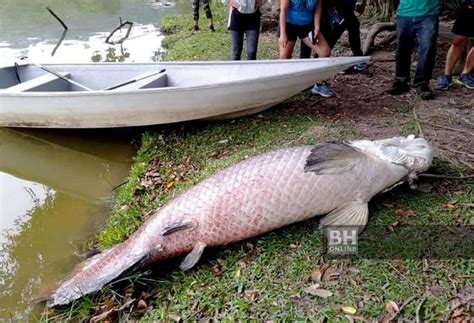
(457, 312)
(349, 309)
(330, 274)
(103, 316)
(315, 291)
(317, 275)
(404, 213)
(391, 307)
(450, 206)
(141, 305)
(169, 184)
(175, 318)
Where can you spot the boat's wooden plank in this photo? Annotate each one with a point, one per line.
(46, 82)
(159, 80)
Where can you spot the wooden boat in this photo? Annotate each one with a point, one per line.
(131, 94)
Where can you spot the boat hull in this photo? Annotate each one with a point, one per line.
(221, 98)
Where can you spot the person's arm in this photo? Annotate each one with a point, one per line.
(317, 18)
(284, 4)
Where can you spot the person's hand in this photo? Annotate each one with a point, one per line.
(283, 40)
(233, 3)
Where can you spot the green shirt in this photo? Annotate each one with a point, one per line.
(418, 8)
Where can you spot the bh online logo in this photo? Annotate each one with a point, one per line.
(341, 240)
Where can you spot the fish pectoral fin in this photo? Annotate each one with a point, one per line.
(350, 214)
(333, 158)
(178, 225)
(193, 257)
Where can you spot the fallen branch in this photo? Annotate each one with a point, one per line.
(376, 29)
(458, 152)
(418, 125)
(59, 42)
(445, 176)
(418, 308)
(59, 19)
(121, 40)
(448, 128)
(401, 308)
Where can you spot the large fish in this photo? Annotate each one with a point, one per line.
(258, 195)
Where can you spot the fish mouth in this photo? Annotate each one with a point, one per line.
(411, 152)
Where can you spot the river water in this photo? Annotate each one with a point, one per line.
(56, 186)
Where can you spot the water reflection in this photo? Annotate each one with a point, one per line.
(28, 29)
(53, 197)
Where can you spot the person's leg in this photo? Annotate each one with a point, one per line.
(237, 38)
(305, 51)
(322, 47)
(287, 51)
(469, 66)
(427, 32)
(346, 10)
(466, 79)
(196, 14)
(207, 9)
(252, 44)
(454, 53)
(405, 43)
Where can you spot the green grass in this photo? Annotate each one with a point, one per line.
(264, 278)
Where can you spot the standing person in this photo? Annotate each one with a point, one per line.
(206, 5)
(244, 20)
(298, 18)
(347, 9)
(416, 18)
(463, 29)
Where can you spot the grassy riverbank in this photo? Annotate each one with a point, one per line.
(274, 276)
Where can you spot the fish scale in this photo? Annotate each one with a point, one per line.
(254, 196)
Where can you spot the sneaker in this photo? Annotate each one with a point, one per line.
(445, 82)
(466, 80)
(360, 67)
(398, 87)
(323, 90)
(211, 27)
(424, 91)
(195, 28)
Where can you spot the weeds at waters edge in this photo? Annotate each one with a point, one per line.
(269, 277)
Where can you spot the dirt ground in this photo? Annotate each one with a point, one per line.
(363, 109)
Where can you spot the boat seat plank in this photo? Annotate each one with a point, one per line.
(46, 82)
(159, 80)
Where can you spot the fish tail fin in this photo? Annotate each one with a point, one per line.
(97, 271)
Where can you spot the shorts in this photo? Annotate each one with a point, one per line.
(464, 24)
(297, 31)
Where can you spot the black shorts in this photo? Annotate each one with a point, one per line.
(464, 24)
(297, 31)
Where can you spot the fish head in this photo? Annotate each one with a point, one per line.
(415, 154)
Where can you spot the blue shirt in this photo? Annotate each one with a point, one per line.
(301, 12)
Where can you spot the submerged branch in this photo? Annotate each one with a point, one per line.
(121, 40)
(57, 18)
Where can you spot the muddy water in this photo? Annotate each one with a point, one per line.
(56, 186)
(55, 193)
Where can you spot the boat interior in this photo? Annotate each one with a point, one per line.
(31, 78)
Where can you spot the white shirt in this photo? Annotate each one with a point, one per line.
(244, 6)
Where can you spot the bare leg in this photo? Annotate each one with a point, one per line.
(454, 53)
(469, 66)
(287, 51)
(322, 47)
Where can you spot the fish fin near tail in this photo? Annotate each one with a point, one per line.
(193, 257)
(350, 214)
(333, 158)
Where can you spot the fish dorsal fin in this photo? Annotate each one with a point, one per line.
(333, 158)
(354, 213)
(193, 257)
